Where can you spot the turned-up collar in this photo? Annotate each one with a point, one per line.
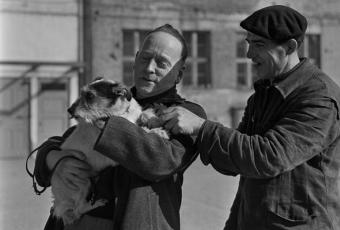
(167, 98)
(289, 81)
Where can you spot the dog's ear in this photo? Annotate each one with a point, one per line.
(97, 79)
(123, 92)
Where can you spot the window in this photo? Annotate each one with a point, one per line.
(132, 40)
(197, 72)
(311, 48)
(244, 66)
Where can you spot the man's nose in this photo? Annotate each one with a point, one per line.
(151, 66)
(71, 110)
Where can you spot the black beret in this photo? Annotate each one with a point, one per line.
(278, 23)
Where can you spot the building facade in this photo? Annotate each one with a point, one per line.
(40, 66)
(100, 38)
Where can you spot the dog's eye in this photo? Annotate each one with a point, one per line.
(89, 95)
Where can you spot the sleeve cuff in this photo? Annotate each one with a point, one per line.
(201, 141)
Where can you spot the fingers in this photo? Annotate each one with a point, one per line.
(172, 126)
(168, 114)
(163, 111)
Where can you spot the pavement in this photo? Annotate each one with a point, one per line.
(207, 198)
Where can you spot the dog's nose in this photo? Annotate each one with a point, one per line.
(70, 110)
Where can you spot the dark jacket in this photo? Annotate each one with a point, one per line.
(286, 151)
(147, 183)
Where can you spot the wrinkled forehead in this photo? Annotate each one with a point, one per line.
(162, 42)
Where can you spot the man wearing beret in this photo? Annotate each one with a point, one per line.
(286, 148)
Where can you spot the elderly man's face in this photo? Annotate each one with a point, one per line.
(158, 64)
(269, 58)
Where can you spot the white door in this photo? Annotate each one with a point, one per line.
(52, 110)
(14, 117)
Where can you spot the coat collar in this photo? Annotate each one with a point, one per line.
(289, 81)
(168, 97)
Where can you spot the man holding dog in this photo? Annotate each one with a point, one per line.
(146, 186)
(286, 149)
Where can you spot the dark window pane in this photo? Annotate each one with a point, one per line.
(128, 43)
(202, 44)
(187, 75)
(203, 74)
(242, 74)
(53, 86)
(187, 38)
(128, 73)
(314, 48)
(142, 35)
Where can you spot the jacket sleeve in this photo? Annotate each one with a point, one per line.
(41, 171)
(242, 127)
(303, 132)
(147, 154)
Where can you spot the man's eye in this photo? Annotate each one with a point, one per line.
(162, 64)
(259, 44)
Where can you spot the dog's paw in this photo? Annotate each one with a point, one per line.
(150, 119)
(99, 203)
(85, 207)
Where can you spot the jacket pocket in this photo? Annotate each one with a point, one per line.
(290, 216)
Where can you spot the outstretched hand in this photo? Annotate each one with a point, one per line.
(179, 120)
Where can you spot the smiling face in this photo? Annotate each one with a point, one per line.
(270, 59)
(158, 64)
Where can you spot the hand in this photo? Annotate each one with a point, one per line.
(70, 170)
(179, 120)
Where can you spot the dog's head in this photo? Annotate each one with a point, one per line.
(99, 100)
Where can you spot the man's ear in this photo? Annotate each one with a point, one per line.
(292, 46)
